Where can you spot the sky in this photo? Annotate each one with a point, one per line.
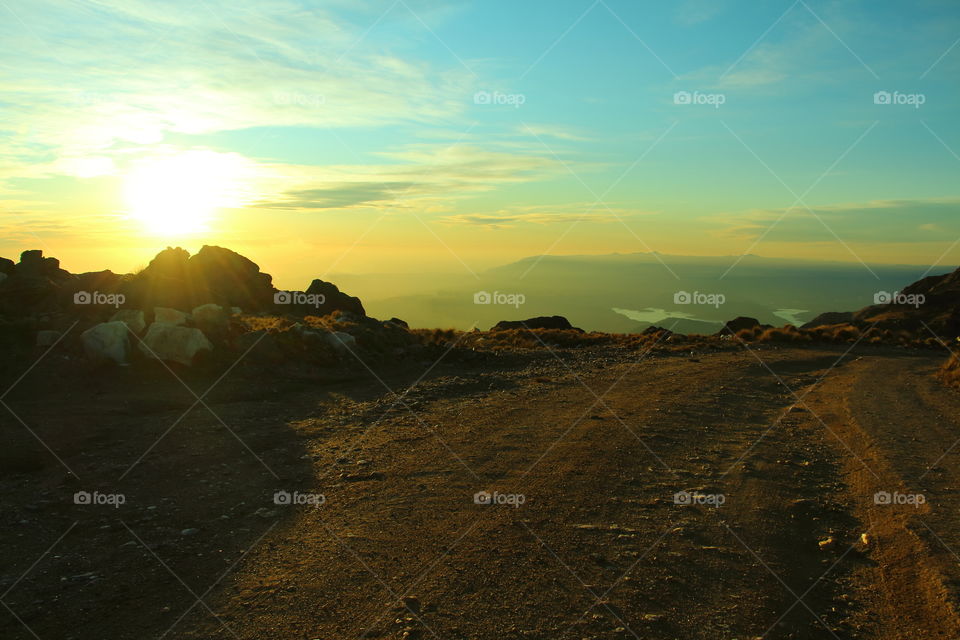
(419, 136)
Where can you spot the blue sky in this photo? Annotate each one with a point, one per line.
(349, 135)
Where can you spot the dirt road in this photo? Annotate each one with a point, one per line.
(576, 494)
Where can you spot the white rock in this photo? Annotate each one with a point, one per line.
(47, 338)
(133, 318)
(340, 341)
(107, 341)
(210, 316)
(172, 317)
(176, 344)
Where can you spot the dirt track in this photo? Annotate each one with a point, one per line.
(595, 443)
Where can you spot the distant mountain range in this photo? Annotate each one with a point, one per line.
(629, 292)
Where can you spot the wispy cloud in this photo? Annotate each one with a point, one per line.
(888, 221)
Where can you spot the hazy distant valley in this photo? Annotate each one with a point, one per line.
(628, 292)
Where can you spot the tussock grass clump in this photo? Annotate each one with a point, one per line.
(787, 334)
(533, 338)
(950, 372)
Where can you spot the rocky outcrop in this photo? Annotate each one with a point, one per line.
(738, 324)
(541, 322)
(216, 275)
(320, 299)
(829, 318)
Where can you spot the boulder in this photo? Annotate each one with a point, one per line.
(400, 322)
(173, 343)
(341, 342)
(738, 324)
(210, 318)
(172, 317)
(107, 341)
(330, 299)
(541, 322)
(7, 266)
(133, 318)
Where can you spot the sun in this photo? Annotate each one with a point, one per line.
(179, 194)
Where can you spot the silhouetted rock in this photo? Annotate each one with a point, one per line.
(326, 299)
(214, 275)
(738, 324)
(400, 322)
(231, 279)
(652, 329)
(33, 264)
(541, 322)
(7, 266)
(829, 318)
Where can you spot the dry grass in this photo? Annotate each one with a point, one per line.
(950, 372)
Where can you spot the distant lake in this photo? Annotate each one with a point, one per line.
(791, 315)
(653, 315)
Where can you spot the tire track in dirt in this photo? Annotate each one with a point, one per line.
(897, 421)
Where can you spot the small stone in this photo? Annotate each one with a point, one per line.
(189, 532)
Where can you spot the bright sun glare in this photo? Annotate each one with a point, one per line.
(179, 194)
